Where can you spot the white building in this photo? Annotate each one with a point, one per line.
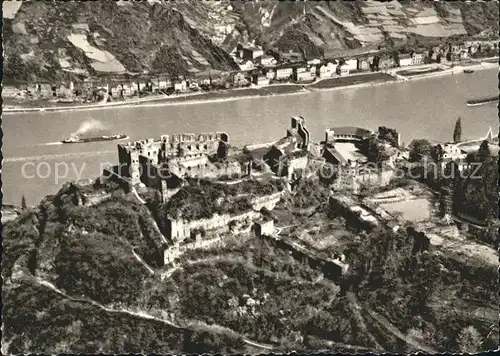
(327, 70)
(162, 84)
(267, 61)
(314, 62)
(452, 152)
(405, 60)
(342, 70)
(180, 86)
(284, 73)
(248, 65)
(352, 64)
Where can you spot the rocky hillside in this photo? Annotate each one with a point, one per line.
(74, 272)
(328, 28)
(77, 275)
(58, 40)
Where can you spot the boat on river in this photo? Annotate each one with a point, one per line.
(468, 71)
(76, 139)
(477, 102)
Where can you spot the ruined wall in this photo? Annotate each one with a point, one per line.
(298, 163)
(181, 229)
(157, 150)
(268, 201)
(264, 228)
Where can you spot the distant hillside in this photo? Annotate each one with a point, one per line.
(329, 28)
(62, 40)
(58, 40)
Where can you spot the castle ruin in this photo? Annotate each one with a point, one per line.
(174, 157)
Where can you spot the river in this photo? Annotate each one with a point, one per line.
(425, 108)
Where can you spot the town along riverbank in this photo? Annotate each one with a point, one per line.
(164, 100)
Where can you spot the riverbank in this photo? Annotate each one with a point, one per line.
(164, 100)
(354, 81)
(447, 70)
(360, 80)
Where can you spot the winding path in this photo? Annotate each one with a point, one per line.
(141, 314)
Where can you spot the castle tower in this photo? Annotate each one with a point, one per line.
(164, 191)
(223, 149)
(490, 136)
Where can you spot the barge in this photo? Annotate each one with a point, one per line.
(477, 102)
(76, 139)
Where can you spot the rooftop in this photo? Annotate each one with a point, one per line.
(349, 152)
(351, 130)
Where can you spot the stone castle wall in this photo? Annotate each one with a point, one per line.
(156, 151)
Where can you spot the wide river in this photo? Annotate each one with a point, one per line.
(425, 108)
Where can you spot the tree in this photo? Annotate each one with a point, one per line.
(23, 203)
(484, 153)
(437, 153)
(389, 135)
(373, 150)
(419, 148)
(469, 340)
(457, 133)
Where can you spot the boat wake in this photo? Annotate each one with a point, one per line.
(52, 143)
(54, 156)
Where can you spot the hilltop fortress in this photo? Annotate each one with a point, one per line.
(175, 156)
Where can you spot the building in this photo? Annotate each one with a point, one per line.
(327, 70)
(452, 152)
(352, 64)
(289, 154)
(126, 90)
(251, 53)
(246, 65)
(346, 134)
(180, 86)
(239, 78)
(304, 74)
(314, 62)
(116, 91)
(405, 60)
(80, 28)
(464, 55)
(417, 58)
(270, 74)
(342, 70)
(364, 63)
(163, 84)
(267, 61)
(264, 228)
(333, 157)
(353, 178)
(291, 56)
(260, 79)
(144, 160)
(284, 73)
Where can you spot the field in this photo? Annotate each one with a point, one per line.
(412, 72)
(352, 80)
(413, 210)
